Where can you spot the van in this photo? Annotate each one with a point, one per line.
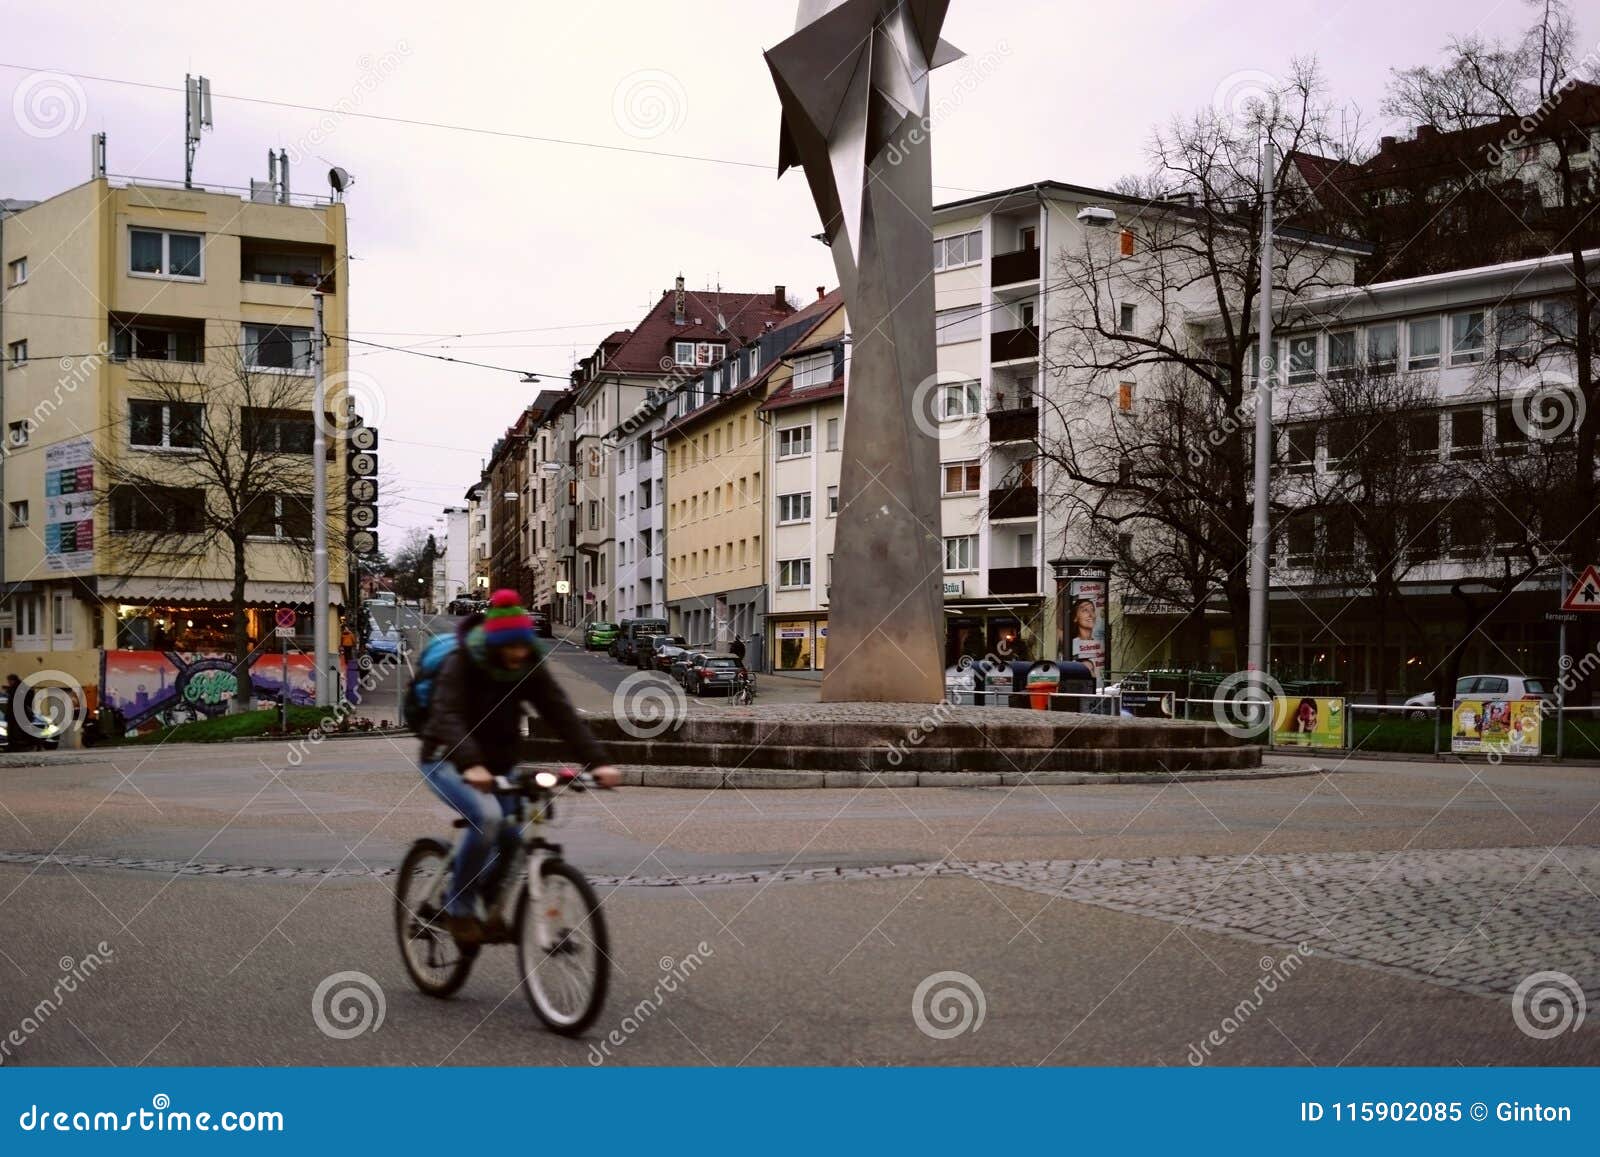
(626, 648)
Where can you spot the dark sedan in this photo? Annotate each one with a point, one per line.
(713, 673)
(681, 664)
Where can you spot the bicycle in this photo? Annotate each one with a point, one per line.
(543, 904)
(744, 689)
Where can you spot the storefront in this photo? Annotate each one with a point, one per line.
(977, 630)
(179, 625)
(798, 644)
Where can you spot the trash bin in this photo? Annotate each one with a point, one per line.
(1071, 678)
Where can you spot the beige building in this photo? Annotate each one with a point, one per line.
(108, 291)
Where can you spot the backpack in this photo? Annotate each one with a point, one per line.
(419, 696)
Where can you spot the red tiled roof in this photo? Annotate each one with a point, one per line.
(747, 316)
(786, 396)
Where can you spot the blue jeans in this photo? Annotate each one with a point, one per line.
(489, 834)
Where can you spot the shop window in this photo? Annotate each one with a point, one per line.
(793, 645)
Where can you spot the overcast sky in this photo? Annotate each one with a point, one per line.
(465, 233)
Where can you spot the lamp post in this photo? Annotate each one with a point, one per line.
(1260, 523)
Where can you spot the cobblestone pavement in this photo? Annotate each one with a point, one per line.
(1477, 920)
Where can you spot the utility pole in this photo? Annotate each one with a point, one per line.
(319, 511)
(1261, 522)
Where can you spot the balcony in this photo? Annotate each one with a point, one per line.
(1013, 580)
(1013, 502)
(647, 517)
(1009, 345)
(1019, 425)
(1009, 268)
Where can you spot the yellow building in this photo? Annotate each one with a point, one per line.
(111, 294)
(716, 486)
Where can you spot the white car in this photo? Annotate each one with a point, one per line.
(1489, 686)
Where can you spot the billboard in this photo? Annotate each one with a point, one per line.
(1309, 721)
(69, 505)
(1485, 726)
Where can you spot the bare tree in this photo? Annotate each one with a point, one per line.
(1364, 488)
(1538, 118)
(1150, 386)
(235, 479)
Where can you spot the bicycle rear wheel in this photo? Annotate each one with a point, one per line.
(436, 963)
(563, 953)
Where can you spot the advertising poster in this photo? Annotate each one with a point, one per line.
(1481, 726)
(1307, 721)
(1086, 623)
(69, 505)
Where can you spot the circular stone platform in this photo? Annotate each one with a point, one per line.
(914, 738)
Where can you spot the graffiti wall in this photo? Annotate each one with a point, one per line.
(143, 685)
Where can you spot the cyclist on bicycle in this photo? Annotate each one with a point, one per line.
(472, 733)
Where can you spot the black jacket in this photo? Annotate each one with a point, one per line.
(475, 719)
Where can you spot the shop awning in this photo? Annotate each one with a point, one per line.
(140, 589)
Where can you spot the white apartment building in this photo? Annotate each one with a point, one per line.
(641, 535)
(479, 539)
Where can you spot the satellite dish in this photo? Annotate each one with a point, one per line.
(339, 180)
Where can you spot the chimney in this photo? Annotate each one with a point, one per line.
(779, 296)
(821, 293)
(1385, 144)
(1427, 132)
(677, 301)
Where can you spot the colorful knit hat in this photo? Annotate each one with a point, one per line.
(506, 622)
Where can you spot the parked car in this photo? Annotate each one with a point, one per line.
(629, 632)
(1489, 686)
(681, 664)
(645, 649)
(665, 655)
(599, 635)
(48, 737)
(715, 672)
(384, 641)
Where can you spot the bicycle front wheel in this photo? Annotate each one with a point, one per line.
(563, 953)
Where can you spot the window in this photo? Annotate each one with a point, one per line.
(1422, 434)
(281, 267)
(1513, 331)
(754, 361)
(19, 353)
(1510, 438)
(833, 433)
(167, 425)
(61, 614)
(278, 347)
(1343, 438)
(1125, 397)
(1302, 359)
(833, 502)
(813, 370)
(1125, 318)
(1301, 532)
(1467, 337)
(957, 325)
(683, 353)
(17, 271)
(794, 442)
(1383, 346)
(963, 477)
(794, 573)
(1341, 352)
(149, 510)
(1562, 320)
(278, 516)
(162, 254)
(961, 553)
(19, 513)
(28, 610)
(1422, 343)
(1466, 433)
(708, 353)
(1300, 449)
(157, 343)
(962, 400)
(954, 252)
(17, 433)
(794, 507)
(594, 514)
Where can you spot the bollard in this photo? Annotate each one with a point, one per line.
(1436, 711)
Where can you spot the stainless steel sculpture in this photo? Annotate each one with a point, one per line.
(853, 81)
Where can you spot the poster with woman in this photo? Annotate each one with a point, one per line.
(1086, 623)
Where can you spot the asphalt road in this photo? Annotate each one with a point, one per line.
(1382, 913)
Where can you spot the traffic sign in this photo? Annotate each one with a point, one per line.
(286, 617)
(563, 586)
(1585, 593)
(283, 632)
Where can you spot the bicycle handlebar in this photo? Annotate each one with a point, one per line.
(519, 784)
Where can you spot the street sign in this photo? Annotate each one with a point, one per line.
(1560, 617)
(286, 617)
(1585, 593)
(283, 632)
(563, 587)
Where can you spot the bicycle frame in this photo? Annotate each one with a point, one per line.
(536, 808)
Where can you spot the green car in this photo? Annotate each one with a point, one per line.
(599, 636)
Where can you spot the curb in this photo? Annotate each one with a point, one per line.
(710, 778)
